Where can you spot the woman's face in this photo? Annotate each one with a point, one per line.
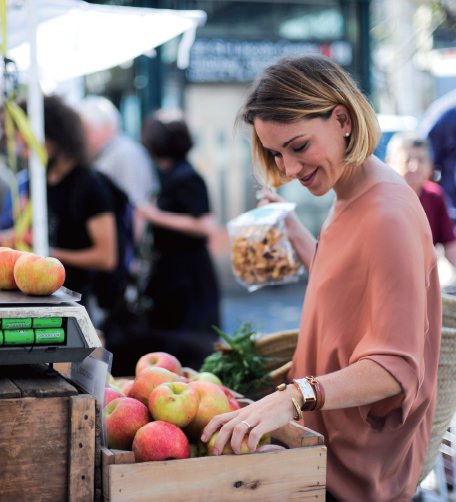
(309, 150)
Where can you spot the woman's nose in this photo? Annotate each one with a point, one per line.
(291, 166)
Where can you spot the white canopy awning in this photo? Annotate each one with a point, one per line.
(75, 38)
(56, 40)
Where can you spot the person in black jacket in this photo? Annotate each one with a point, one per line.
(183, 284)
(81, 207)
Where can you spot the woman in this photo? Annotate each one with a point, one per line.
(82, 227)
(370, 328)
(183, 283)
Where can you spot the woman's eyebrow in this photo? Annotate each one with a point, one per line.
(292, 139)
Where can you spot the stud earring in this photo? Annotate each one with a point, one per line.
(346, 135)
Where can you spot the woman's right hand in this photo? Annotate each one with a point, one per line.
(255, 420)
(266, 195)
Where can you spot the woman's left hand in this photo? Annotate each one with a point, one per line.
(256, 419)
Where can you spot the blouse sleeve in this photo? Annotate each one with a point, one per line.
(396, 285)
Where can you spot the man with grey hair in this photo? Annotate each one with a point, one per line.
(124, 160)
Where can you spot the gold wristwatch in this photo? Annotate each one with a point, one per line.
(308, 393)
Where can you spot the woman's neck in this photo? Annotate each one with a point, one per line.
(361, 178)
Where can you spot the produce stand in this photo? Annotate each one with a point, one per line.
(47, 437)
(297, 473)
(50, 429)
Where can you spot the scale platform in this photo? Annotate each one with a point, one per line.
(50, 329)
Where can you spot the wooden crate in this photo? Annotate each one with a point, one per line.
(298, 473)
(47, 437)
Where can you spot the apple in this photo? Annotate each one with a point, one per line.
(111, 393)
(160, 440)
(212, 401)
(233, 402)
(38, 275)
(161, 359)
(125, 385)
(206, 376)
(227, 450)
(123, 417)
(174, 402)
(149, 378)
(8, 258)
(198, 449)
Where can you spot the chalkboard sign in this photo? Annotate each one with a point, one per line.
(222, 60)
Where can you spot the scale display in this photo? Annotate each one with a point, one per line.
(44, 329)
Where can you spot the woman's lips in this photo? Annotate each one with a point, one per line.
(307, 180)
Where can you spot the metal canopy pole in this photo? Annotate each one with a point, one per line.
(37, 171)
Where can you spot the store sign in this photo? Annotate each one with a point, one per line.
(220, 60)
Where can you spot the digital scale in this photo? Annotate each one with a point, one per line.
(51, 329)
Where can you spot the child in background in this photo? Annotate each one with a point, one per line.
(411, 156)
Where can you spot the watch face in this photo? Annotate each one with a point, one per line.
(306, 389)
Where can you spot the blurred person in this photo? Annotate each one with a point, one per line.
(123, 159)
(81, 209)
(411, 156)
(442, 137)
(183, 285)
(364, 372)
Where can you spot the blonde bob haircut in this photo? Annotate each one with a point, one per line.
(306, 87)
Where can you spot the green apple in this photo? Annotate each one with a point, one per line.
(149, 378)
(174, 402)
(227, 450)
(206, 376)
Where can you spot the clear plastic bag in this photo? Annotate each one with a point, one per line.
(261, 253)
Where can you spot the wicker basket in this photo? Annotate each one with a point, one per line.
(278, 348)
(446, 397)
(448, 308)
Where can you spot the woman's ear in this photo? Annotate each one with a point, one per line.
(342, 115)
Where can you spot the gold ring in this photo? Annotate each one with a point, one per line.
(246, 423)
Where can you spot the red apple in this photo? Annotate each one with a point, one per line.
(37, 275)
(233, 402)
(174, 402)
(125, 386)
(123, 417)
(111, 393)
(206, 376)
(212, 401)
(8, 258)
(149, 378)
(160, 440)
(161, 359)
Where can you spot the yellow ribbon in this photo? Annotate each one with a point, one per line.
(3, 27)
(14, 115)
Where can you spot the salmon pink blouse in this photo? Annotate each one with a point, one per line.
(374, 293)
